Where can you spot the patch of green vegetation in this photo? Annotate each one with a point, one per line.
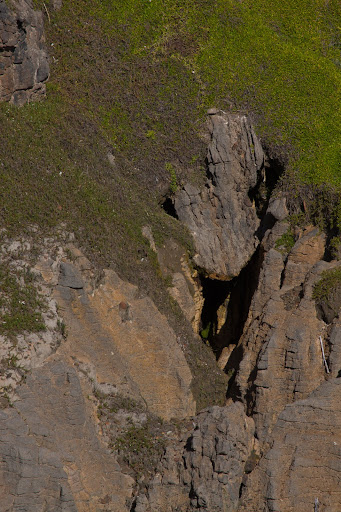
(206, 331)
(280, 63)
(286, 241)
(20, 303)
(330, 280)
(114, 403)
(140, 447)
(173, 187)
(335, 247)
(137, 436)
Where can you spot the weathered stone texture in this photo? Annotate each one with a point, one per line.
(120, 339)
(282, 355)
(304, 461)
(205, 471)
(24, 66)
(221, 217)
(50, 456)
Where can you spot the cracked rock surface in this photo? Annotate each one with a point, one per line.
(221, 217)
(24, 66)
(204, 470)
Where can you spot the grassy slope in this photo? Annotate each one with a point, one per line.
(280, 61)
(134, 78)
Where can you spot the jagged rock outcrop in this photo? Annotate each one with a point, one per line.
(204, 471)
(120, 339)
(54, 452)
(24, 66)
(221, 217)
(303, 466)
(281, 354)
(50, 456)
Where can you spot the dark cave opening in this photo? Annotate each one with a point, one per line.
(215, 294)
(168, 206)
(236, 295)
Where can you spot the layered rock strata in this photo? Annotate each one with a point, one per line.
(204, 471)
(302, 470)
(221, 217)
(24, 66)
(53, 455)
(281, 360)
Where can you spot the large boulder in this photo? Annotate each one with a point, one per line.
(222, 217)
(24, 66)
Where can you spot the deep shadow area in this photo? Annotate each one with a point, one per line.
(238, 293)
(168, 206)
(242, 291)
(267, 180)
(215, 293)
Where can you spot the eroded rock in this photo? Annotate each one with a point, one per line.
(50, 454)
(303, 464)
(281, 360)
(24, 66)
(204, 471)
(221, 217)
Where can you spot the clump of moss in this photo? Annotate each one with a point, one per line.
(330, 281)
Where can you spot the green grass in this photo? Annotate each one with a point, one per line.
(279, 61)
(20, 303)
(286, 241)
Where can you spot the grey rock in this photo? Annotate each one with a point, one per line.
(277, 208)
(205, 470)
(281, 360)
(69, 276)
(304, 460)
(221, 217)
(50, 456)
(24, 66)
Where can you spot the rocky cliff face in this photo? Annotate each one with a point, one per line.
(24, 66)
(222, 217)
(98, 411)
(205, 469)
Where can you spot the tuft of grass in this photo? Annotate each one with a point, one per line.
(329, 282)
(286, 241)
(20, 303)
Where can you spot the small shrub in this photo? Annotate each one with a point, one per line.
(286, 241)
(330, 280)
